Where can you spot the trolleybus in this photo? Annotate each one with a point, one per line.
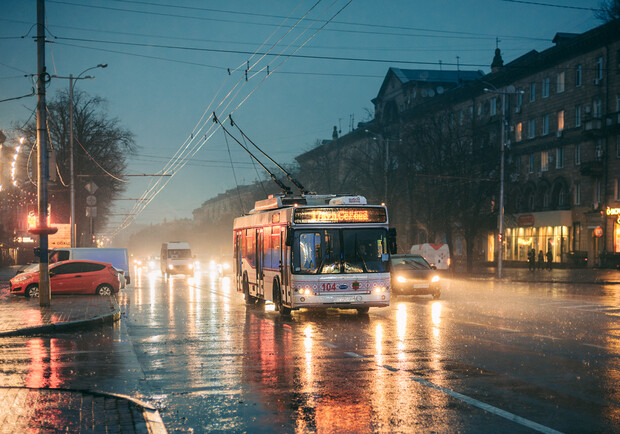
(314, 251)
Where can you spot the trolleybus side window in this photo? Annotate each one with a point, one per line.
(267, 248)
(249, 246)
(275, 247)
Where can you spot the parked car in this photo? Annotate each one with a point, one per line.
(412, 274)
(70, 277)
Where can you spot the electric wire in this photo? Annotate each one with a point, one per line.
(234, 174)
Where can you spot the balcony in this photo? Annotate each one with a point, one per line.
(592, 168)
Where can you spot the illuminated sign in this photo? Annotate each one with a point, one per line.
(525, 220)
(613, 211)
(340, 215)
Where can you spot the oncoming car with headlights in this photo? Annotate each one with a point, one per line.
(412, 275)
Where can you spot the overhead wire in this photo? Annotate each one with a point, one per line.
(149, 195)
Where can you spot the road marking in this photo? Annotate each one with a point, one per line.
(489, 408)
(357, 356)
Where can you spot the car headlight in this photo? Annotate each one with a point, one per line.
(435, 279)
(190, 266)
(226, 265)
(170, 266)
(401, 279)
(21, 278)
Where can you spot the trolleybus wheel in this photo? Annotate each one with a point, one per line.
(362, 310)
(246, 291)
(284, 310)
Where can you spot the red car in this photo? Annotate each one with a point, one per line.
(70, 277)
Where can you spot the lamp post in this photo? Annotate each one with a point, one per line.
(510, 90)
(72, 174)
(386, 145)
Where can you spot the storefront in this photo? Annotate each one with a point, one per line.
(541, 231)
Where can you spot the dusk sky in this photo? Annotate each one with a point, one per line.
(168, 65)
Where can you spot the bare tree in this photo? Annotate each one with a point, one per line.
(101, 150)
(609, 10)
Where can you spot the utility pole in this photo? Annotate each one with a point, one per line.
(72, 174)
(42, 229)
(500, 253)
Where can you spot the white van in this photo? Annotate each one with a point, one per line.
(435, 254)
(176, 258)
(116, 256)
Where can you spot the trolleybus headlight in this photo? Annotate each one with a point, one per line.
(435, 279)
(401, 279)
(170, 266)
(305, 291)
(380, 289)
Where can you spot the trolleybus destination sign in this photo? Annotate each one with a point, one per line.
(340, 215)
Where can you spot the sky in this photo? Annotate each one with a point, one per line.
(171, 63)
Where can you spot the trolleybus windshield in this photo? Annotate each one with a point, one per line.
(336, 251)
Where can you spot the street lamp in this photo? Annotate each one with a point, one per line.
(386, 143)
(72, 174)
(510, 90)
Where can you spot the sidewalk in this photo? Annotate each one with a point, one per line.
(27, 409)
(595, 276)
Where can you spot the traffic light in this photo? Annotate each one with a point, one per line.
(500, 238)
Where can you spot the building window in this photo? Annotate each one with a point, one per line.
(531, 168)
(545, 87)
(578, 71)
(597, 192)
(576, 235)
(597, 108)
(560, 120)
(544, 161)
(577, 193)
(559, 88)
(480, 110)
(519, 132)
(559, 158)
(531, 128)
(577, 154)
(578, 115)
(519, 98)
(618, 146)
(493, 107)
(618, 103)
(599, 68)
(598, 149)
(545, 125)
(532, 91)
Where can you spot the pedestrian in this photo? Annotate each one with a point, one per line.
(531, 258)
(549, 259)
(541, 260)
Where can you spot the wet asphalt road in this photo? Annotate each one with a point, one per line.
(486, 357)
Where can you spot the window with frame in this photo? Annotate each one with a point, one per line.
(597, 108)
(519, 132)
(578, 75)
(578, 115)
(531, 128)
(559, 158)
(493, 106)
(597, 191)
(577, 154)
(532, 162)
(533, 91)
(618, 103)
(560, 120)
(545, 87)
(618, 146)
(598, 149)
(577, 193)
(519, 97)
(599, 68)
(545, 125)
(559, 87)
(544, 161)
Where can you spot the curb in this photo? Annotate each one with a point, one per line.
(151, 415)
(111, 317)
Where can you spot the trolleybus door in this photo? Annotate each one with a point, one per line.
(260, 284)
